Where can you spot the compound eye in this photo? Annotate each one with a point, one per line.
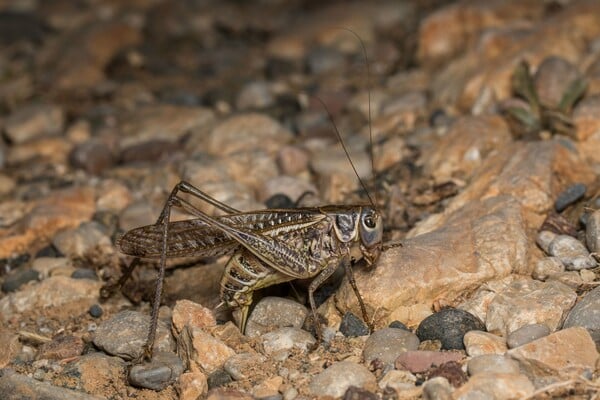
(369, 221)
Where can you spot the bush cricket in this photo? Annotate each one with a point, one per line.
(268, 246)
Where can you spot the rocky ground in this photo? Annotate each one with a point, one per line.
(485, 124)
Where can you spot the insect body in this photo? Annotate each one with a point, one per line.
(268, 246)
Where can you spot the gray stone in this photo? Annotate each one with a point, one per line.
(19, 277)
(388, 343)
(335, 380)
(14, 386)
(125, 334)
(277, 312)
(77, 242)
(526, 334)
(569, 196)
(526, 301)
(571, 252)
(592, 232)
(284, 339)
(586, 313)
(492, 363)
(449, 326)
(544, 238)
(437, 388)
(162, 370)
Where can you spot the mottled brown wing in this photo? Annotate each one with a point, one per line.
(186, 239)
(195, 238)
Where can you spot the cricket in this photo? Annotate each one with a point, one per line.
(267, 247)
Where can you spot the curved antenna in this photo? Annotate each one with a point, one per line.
(368, 73)
(337, 132)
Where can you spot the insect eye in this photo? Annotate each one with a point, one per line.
(369, 221)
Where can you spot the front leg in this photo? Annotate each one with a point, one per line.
(330, 268)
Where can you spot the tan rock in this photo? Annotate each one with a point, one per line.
(187, 312)
(527, 301)
(166, 122)
(479, 243)
(478, 343)
(50, 149)
(267, 388)
(496, 386)
(78, 59)
(59, 210)
(533, 173)
(247, 132)
(451, 29)
(571, 348)
(192, 385)
(466, 145)
(201, 351)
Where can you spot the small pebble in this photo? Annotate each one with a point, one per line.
(586, 313)
(479, 342)
(438, 388)
(192, 385)
(492, 363)
(386, 344)
(18, 278)
(571, 252)
(84, 273)
(335, 380)
(569, 196)
(398, 325)
(547, 267)
(449, 326)
(164, 368)
(77, 242)
(592, 232)
(125, 333)
(92, 156)
(544, 238)
(352, 326)
(96, 311)
(397, 379)
(279, 200)
(218, 378)
(284, 339)
(272, 312)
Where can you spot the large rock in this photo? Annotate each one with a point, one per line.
(484, 241)
(571, 348)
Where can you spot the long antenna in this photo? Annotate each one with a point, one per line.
(368, 70)
(368, 73)
(337, 132)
